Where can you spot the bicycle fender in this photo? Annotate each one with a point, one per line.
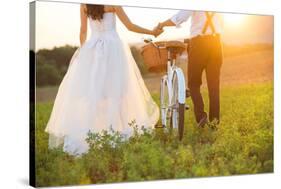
(181, 85)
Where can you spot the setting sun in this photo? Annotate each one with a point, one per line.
(234, 19)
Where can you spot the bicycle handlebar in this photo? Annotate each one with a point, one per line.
(148, 40)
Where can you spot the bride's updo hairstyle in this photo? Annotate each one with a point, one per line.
(95, 11)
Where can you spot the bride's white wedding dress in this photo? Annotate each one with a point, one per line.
(102, 88)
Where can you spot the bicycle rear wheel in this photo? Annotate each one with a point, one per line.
(177, 116)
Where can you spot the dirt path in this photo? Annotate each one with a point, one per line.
(244, 69)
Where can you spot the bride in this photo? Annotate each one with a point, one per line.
(103, 87)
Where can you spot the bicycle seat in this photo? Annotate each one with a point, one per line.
(187, 41)
(175, 47)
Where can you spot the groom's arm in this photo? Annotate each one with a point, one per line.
(177, 19)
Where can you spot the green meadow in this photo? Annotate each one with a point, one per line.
(241, 144)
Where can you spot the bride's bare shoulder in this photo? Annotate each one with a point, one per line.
(83, 7)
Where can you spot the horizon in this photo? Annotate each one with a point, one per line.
(137, 44)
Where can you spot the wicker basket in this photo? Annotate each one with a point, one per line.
(155, 56)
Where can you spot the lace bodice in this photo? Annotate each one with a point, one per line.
(108, 23)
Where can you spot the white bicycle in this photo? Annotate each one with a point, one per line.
(173, 92)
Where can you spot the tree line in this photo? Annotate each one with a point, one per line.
(52, 64)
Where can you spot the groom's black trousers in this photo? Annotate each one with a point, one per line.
(205, 54)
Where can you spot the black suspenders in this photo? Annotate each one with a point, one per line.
(209, 22)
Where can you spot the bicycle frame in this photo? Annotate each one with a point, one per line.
(167, 81)
(171, 70)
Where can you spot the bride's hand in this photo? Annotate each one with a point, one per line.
(159, 26)
(157, 31)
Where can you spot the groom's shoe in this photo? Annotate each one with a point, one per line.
(213, 124)
(203, 121)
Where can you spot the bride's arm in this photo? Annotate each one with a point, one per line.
(131, 26)
(83, 27)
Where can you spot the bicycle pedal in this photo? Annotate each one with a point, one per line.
(175, 106)
(187, 107)
(187, 93)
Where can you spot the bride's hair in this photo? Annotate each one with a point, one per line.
(95, 11)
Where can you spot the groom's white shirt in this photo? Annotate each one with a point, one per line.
(198, 20)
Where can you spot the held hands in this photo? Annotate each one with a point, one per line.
(157, 30)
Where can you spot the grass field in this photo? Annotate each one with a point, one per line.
(243, 144)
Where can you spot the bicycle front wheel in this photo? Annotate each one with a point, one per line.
(164, 99)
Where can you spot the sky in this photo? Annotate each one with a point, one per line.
(58, 24)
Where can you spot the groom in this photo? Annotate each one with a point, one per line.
(204, 54)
